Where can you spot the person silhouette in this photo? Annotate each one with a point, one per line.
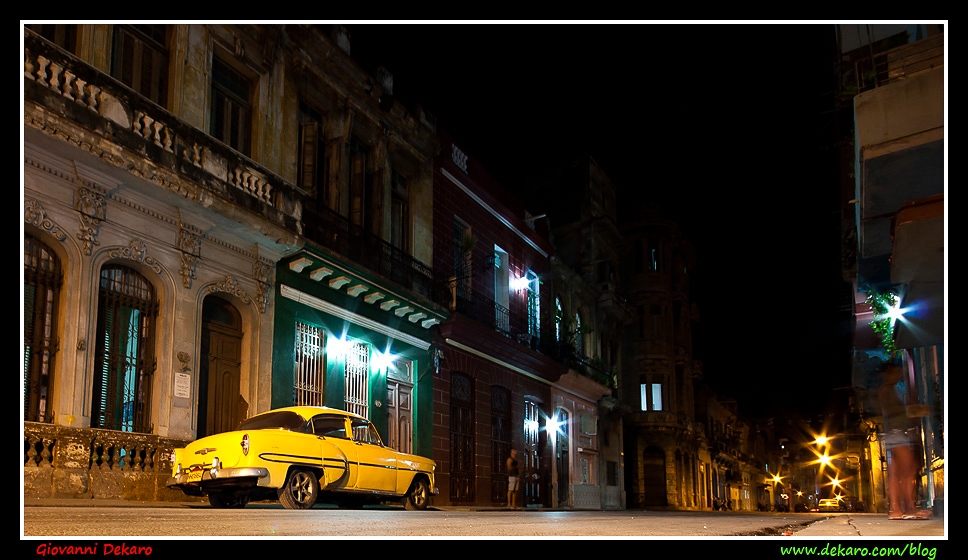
(514, 479)
(898, 436)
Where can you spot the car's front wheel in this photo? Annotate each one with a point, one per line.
(300, 490)
(418, 497)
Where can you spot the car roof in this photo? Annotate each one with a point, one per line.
(310, 411)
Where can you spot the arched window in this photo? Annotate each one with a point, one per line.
(42, 282)
(125, 361)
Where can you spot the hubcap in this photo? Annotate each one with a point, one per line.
(420, 495)
(301, 487)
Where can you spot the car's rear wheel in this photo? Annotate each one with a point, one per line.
(418, 497)
(300, 490)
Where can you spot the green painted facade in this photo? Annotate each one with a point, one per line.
(316, 302)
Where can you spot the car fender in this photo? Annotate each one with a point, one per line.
(335, 464)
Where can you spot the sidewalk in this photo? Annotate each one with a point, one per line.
(873, 525)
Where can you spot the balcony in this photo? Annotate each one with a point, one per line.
(72, 101)
(335, 232)
(97, 113)
(880, 68)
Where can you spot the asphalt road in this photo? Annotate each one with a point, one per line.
(271, 520)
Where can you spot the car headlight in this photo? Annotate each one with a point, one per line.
(245, 444)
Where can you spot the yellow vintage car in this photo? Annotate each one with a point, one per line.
(298, 455)
(831, 504)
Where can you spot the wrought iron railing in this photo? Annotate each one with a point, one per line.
(515, 326)
(334, 231)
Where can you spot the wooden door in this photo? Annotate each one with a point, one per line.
(220, 402)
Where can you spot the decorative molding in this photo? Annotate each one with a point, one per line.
(36, 215)
(189, 245)
(262, 271)
(230, 285)
(458, 157)
(337, 311)
(91, 209)
(137, 251)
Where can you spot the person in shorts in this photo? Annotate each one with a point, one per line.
(514, 479)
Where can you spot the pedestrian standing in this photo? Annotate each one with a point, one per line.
(514, 479)
(899, 432)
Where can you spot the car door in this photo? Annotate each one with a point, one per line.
(338, 450)
(377, 464)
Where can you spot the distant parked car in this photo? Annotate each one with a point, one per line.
(299, 454)
(831, 504)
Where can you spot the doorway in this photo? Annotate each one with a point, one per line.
(400, 405)
(654, 477)
(220, 404)
(562, 457)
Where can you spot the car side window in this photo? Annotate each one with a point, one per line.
(364, 432)
(329, 426)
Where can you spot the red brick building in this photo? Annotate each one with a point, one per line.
(496, 359)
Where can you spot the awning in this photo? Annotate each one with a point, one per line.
(917, 262)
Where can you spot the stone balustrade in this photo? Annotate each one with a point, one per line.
(68, 462)
(82, 86)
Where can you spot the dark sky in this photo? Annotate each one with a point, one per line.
(727, 126)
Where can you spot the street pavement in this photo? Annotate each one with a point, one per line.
(864, 525)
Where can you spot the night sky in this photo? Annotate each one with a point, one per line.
(728, 127)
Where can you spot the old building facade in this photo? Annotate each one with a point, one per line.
(200, 203)
(892, 112)
(508, 377)
(578, 202)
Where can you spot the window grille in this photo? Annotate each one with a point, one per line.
(310, 366)
(533, 305)
(125, 357)
(357, 372)
(42, 282)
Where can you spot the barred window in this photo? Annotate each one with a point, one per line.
(42, 283)
(310, 366)
(534, 299)
(124, 362)
(357, 376)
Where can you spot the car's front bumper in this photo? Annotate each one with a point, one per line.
(218, 475)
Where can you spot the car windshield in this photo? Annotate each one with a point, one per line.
(284, 420)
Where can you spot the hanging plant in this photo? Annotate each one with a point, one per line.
(883, 324)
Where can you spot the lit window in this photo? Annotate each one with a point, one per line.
(651, 394)
(533, 304)
(124, 359)
(309, 370)
(357, 368)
